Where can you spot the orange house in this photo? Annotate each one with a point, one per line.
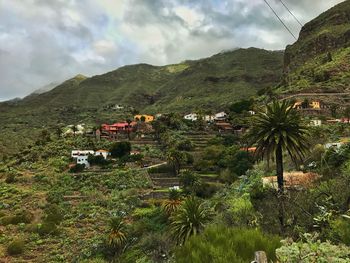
(148, 118)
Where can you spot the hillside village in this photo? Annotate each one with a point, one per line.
(240, 157)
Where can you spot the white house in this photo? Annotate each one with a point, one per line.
(220, 116)
(315, 122)
(209, 118)
(79, 129)
(117, 107)
(251, 112)
(335, 145)
(77, 153)
(103, 153)
(82, 156)
(83, 160)
(191, 117)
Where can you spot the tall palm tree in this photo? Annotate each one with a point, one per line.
(280, 128)
(175, 159)
(190, 219)
(117, 233)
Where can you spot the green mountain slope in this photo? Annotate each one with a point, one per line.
(320, 59)
(210, 83)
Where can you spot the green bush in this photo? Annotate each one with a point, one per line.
(165, 168)
(77, 168)
(10, 178)
(47, 228)
(53, 214)
(341, 230)
(21, 217)
(16, 247)
(120, 149)
(231, 245)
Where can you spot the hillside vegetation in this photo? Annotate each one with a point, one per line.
(320, 59)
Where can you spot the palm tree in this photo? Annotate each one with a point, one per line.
(279, 128)
(190, 219)
(173, 203)
(175, 158)
(117, 234)
(128, 121)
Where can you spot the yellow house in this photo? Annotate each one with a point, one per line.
(315, 104)
(148, 118)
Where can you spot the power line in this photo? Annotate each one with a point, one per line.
(290, 32)
(290, 12)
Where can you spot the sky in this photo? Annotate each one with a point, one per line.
(44, 42)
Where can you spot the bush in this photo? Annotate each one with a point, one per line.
(53, 214)
(20, 217)
(341, 230)
(77, 168)
(222, 244)
(165, 168)
(120, 149)
(47, 228)
(16, 247)
(10, 178)
(206, 190)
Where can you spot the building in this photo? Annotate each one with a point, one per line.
(113, 130)
(221, 116)
(315, 123)
(82, 156)
(191, 117)
(224, 126)
(139, 117)
(209, 118)
(333, 145)
(315, 104)
(292, 180)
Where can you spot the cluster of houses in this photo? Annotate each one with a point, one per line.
(82, 156)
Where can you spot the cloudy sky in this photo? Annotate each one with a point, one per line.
(48, 41)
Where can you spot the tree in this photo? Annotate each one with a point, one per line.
(173, 203)
(120, 149)
(74, 129)
(347, 113)
(190, 219)
(117, 233)
(143, 118)
(175, 159)
(279, 129)
(128, 121)
(190, 181)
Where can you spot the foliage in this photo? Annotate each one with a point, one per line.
(240, 106)
(120, 149)
(190, 181)
(221, 244)
(279, 129)
(190, 219)
(312, 250)
(16, 247)
(23, 216)
(117, 233)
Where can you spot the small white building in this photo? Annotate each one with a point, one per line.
(209, 118)
(79, 129)
(191, 117)
(117, 107)
(334, 145)
(77, 153)
(220, 116)
(251, 112)
(83, 160)
(315, 123)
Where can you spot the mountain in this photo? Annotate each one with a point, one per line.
(210, 83)
(320, 59)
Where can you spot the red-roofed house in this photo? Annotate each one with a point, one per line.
(118, 128)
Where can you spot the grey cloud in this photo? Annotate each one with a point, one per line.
(49, 41)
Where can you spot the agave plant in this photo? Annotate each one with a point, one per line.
(190, 219)
(117, 234)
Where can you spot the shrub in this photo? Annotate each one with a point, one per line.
(120, 149)
(10, 178)
(222, 244)
(53, 214)
(47, 228)
(16, 247)
(206, 190)
(21, 217)
(77, 168)
(341, 230)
